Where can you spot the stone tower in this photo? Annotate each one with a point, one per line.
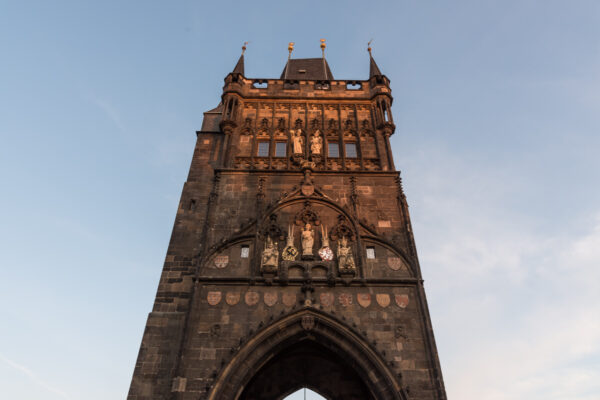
(292, 261)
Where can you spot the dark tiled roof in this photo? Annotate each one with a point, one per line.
(311, 69)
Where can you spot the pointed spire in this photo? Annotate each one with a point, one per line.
(373, 68)
(323, 46)
(239, 67)
(290, 49)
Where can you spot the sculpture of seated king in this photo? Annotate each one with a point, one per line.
(270, 256)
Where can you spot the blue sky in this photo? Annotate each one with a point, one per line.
(496, 106)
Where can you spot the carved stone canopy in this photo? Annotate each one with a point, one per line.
(298, 124)
(247, 128)
(272, 229)
(281, 124)
(341, 229)
(315, 124)
(307, 216)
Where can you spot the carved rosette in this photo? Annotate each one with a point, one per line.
(272, 229)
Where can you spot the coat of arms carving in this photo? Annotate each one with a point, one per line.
(232, 298)
(401, 300)
(251, 298)
(221, 261)
(213, 298)
(395, 263)
(308, 322)
(345, 299)
(326, 299)
(383, 299)
(364, 299)
(288, 299)
(270, 298)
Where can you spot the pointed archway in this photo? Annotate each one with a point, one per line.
(307, 349)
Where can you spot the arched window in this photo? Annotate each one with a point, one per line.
(305, 394)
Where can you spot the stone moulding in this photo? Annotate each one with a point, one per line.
(325, 329)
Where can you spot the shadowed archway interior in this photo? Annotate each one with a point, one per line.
(306, 364)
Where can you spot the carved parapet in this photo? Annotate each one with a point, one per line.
(306, 269)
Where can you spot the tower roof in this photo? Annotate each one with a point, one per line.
(310, 69)
(239, 67)
(373, 68)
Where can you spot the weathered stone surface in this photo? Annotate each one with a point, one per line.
(222, 327)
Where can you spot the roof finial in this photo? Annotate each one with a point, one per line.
(244, 47)
(290, 49)
(323, 45)
(369, 46)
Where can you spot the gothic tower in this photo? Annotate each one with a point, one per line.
(292, 261)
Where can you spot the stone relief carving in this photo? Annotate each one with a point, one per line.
(345, 257)
(270, 256)
(290, 252)
(308, 240)
(316, 143)
(297, 141)
(325, 251)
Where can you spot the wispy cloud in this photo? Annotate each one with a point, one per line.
(515, 308)
(34, 378)
(111, 112)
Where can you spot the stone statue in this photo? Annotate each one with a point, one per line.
(298, 141)
(344, 255)
(270, 255)
(308, 239)
(316, 143)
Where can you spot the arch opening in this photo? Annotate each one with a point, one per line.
(306, 364)
(307, 349)
(305, 394)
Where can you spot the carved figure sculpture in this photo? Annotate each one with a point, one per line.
(316, 143)
(308, 239)
(270, 255)
(298, 141)
(344, 255)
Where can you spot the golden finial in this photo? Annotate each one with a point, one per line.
(244, 47)
(291, 47)
(369, 46)
(323, 45)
